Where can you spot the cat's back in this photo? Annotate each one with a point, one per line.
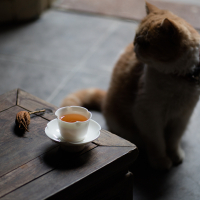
(127, 71)
(122, 92)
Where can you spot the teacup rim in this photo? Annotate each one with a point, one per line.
(76, 121)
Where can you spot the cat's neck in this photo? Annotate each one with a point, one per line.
(192, 76)
(184, 65)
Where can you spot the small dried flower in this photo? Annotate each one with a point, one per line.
(23, 119)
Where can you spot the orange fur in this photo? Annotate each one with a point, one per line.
(90, 98)
(168, 34)
(148, 100)
(123, 90)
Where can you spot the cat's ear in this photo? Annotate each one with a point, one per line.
(168, 26)
(151, 8)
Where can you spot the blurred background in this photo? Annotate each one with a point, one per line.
(52, 48)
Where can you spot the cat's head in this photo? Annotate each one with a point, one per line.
(166, 42)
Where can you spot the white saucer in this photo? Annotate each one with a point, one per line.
(53, 132)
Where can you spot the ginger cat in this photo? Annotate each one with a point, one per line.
(154, 87)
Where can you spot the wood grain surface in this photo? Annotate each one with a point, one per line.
(68, 172)
(34, 167)
(108, 139)
(31, 103)
(16, 147)
(8, 100)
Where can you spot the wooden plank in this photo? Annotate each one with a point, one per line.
(23, 175)
(16, 148)
(6, 14)
(107, 138)
(31, 103)
(117, 187)
(24, 159)
(131, 9)
(35, 168)
(8, 100)
(98, 185)
(69, 173)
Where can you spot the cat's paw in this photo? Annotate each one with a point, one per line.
(178, 156)
(163, 163)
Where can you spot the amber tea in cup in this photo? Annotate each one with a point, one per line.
(73, 122)
(74, 117)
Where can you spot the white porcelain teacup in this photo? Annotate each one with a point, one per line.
(73, 131)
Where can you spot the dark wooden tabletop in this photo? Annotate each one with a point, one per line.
(34, 167)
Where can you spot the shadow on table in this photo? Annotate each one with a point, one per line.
(61, 160)
(17, 131)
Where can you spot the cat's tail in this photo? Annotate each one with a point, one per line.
(91, 98)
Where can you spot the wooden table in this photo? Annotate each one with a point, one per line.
(34, 167)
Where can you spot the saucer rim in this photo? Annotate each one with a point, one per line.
(75, 143)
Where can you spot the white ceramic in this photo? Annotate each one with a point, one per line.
(73, 132)
(53, 132)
